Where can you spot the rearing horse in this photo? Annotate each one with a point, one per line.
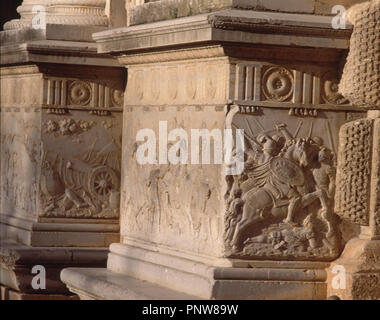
(276, 194)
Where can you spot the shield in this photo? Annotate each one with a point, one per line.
(287, 171)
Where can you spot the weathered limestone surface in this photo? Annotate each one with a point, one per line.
(61, 106)
(307, 200)
(152, 101)
(140, 13)
(101, 284)
(361, 77)
(271, 231)
(243, 27)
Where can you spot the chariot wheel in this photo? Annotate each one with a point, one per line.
(102, 181)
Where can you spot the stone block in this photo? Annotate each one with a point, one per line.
(203, 278)
(172, 9)
(297, 6)
(17, 262)
(101, 284)
(236, 27)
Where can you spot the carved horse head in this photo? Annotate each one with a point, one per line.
(299, 150)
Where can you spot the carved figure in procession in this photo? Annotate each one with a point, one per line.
(234, 212)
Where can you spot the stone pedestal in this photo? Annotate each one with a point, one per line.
(267, 232)
(58, 145)
(61, 119)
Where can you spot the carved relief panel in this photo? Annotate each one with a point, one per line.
(21, 93)
(171, 204)
(81, 151)
(282, 205)
(81, 164)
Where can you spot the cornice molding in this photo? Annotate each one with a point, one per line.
(227, 26)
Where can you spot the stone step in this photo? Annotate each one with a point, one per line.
(102, 284)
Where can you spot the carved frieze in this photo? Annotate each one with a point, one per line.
(330, 89)
(213, 81)
(13, 95)
(278, 84)
(79, 93)
(184, 84)
(117, 97)
(172, 203)
(67, 126)
(64, 93)
(80, 176)
(295, 86)
(282, 205)
(20, 156)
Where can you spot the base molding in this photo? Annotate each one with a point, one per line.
(39, 234)
(267, 280)
(102, 284)
(17, 262)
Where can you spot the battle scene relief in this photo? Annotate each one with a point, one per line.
(282, 205)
